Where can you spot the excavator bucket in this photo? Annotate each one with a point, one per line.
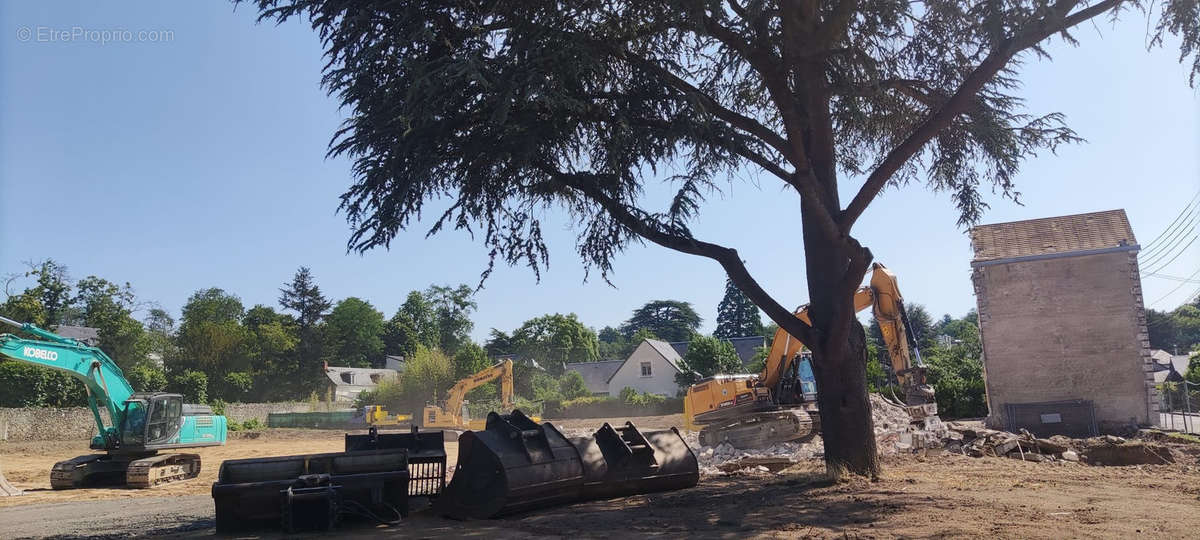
(426, 456)
(516, 465)
(7, 489)
(621, 461)
(512, 465)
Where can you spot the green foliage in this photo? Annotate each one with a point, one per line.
(452, 307)
(236, 385)
(737, 316)
(470, 359)
(353, 334)
(147, 378)
(707, 356)
(1175, 331)
(670, 320)
(552, 340)
(956, 371)
(32, 386)
(303, 296)
(545, 387)
(439, 317)
(193, 385)
(571, 386)
(108, 308)
(499, 343)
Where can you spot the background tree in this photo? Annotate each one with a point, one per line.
(670, 320)
(452, 307)
(499, 343)
(211, 341)
(737, 316)
(304, 297)
(510, 108)
(271, 350)
(108, 308)
(417, 316)
(553, 340)
(707, 356)
(354, 334)
(612, 344)
(470, 359)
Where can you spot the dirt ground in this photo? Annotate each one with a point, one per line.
(944, 496)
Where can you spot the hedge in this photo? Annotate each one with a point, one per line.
(609, 407)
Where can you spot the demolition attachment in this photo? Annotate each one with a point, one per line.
(515, 465)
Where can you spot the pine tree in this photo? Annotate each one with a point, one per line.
(304, 297)
(737, 316)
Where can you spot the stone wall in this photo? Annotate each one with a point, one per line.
(77, 424)
(1065, 328)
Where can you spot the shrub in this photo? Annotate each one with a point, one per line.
(147, 379)
(193, 385)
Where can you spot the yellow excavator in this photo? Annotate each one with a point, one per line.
(452, 413)
(780, 404)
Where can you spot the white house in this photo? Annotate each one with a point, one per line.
(651, 369)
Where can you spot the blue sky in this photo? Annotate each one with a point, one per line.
(196, 159)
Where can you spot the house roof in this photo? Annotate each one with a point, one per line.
(745, 347)
(1095, 231)
(84, 334)
(360, 376)
(1164, 361)
(596, 374)
(663, 348)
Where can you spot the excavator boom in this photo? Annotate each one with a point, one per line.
(450, 415)
(755, 410)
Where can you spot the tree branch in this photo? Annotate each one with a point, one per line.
(958, 103)
(735, 119)
(728, 258)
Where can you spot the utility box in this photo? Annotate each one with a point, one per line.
(1061, 318)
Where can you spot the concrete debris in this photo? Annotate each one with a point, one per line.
(1104, 450)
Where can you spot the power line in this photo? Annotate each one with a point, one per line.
(1163, 247)
(1170, 251)
(1174, 278)
(1195, 198)
(1181, 252)
(1180, 286)
(1189, 225)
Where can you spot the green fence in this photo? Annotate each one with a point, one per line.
(315, 420)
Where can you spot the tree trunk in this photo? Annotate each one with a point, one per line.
(835, 269)
(846, 424)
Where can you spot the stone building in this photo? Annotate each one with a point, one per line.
(1064, 330)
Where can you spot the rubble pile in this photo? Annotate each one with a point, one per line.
(981, 442)
(726, 458)
(895, 432)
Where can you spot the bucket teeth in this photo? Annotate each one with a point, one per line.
(516, 465)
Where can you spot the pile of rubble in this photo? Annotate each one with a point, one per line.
(983, 442)
(895, 432)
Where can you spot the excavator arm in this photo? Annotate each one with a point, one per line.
(502, 371)
(105, 383)
(883, 295)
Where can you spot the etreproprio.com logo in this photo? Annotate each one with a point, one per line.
(83, 34)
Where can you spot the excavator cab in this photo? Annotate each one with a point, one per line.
(151, 420)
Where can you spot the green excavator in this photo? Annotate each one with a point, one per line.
(140, 426)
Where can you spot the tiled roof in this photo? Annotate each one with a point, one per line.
(596, 374)
(1047, 236)
(668, 353)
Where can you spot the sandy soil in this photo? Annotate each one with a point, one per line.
(945, 496)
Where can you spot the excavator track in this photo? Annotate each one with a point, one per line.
(162, 469)
(762, 429)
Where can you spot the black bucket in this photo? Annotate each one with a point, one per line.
(621, 461)
(514, 464)
(426, 456)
